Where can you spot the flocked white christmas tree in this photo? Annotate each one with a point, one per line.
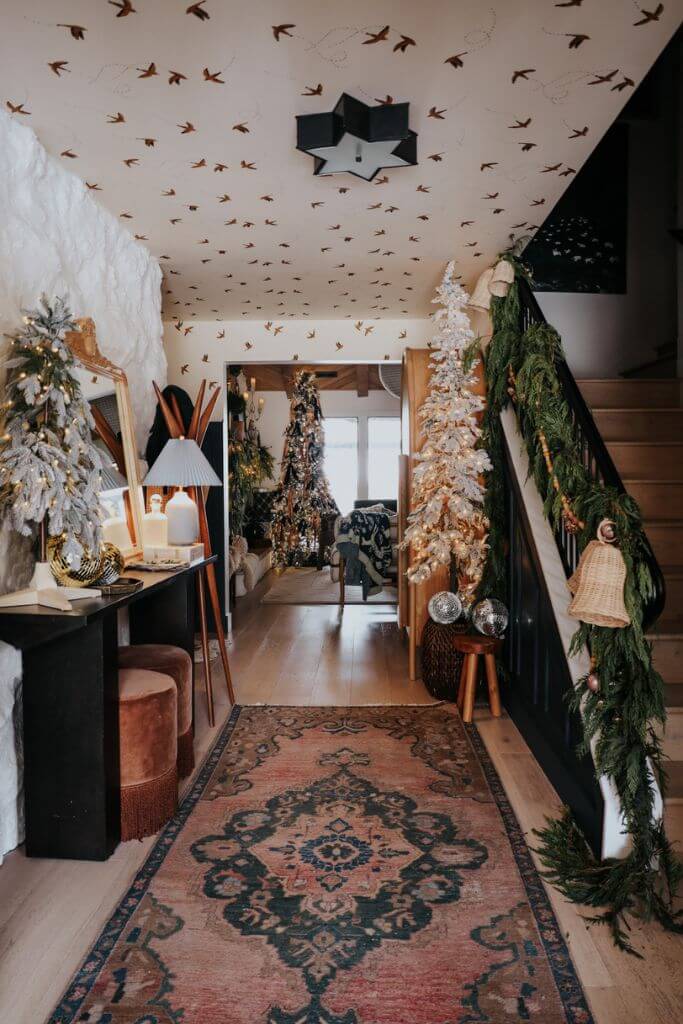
(447, 521)
(49, 467)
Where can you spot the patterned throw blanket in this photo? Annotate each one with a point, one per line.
(364, 542)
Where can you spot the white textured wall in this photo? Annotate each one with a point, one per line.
(55, 238)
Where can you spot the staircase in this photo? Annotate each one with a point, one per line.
(641, 422)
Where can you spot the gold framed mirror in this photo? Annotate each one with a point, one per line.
(106, 388)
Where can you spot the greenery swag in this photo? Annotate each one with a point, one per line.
(622, 716)
(250, 463)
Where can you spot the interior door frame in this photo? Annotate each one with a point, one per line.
(226, 475)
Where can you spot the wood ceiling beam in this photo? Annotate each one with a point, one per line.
(342, 376)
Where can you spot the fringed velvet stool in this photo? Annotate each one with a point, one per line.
(148, 739)
(174, 662)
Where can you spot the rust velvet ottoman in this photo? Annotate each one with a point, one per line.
(148, 739)
(176, 663)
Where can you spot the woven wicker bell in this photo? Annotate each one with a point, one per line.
(598, 582)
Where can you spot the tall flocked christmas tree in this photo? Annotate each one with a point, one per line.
(304, 494)
(49, 467)
(447, 521)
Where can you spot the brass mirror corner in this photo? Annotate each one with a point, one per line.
(121, 444)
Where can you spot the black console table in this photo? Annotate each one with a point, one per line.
(70, 688)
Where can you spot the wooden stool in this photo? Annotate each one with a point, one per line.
(472, 647)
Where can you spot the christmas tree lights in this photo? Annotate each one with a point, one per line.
(49, 467)
(304, 494)
(447, 521)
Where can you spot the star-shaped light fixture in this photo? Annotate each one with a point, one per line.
(358, 139)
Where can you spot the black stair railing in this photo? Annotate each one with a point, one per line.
(537, 679)
(596, 459)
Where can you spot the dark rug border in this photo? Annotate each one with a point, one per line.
(85, 977)
(569, 987)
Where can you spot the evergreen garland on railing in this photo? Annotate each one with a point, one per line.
(622, 716)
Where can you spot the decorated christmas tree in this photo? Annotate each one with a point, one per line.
(304, 494)
(447, 522)
(49, 467)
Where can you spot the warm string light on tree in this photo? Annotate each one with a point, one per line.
(49, 468)
(304, 494)
(447, 521)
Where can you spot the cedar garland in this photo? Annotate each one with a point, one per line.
(623, 714)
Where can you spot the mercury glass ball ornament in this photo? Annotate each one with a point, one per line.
(445, 607)
(490, 617)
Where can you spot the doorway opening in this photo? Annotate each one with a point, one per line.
(299, 465)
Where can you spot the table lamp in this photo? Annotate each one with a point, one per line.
(182, 464)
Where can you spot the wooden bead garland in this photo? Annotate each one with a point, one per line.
(572, 523)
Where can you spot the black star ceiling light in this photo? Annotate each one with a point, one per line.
(358, 139)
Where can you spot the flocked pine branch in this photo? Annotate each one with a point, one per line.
(49, 467)
(447, 520)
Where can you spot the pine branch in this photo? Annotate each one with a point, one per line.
(619, 718)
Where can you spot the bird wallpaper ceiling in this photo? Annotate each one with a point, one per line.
(180, 119)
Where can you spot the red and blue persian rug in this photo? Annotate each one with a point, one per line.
(335, 866)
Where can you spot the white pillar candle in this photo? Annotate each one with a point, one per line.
(115, 531)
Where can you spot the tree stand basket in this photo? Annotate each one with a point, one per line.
(441, 663)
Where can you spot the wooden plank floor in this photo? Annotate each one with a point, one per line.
(52, 911)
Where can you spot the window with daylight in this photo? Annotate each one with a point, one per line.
(384, 448)
(341, 460)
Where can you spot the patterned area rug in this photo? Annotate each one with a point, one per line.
(335, 866)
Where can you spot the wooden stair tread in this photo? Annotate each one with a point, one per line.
(674, 771)
(673, 695)
(623, 380)
(653, 392)
(671, 627)
(638, 408)
(661, 363)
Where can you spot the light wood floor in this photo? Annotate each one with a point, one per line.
(52, 911)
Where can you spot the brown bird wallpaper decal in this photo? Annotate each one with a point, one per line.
(199, 11)
(76, 31)
(169, 111)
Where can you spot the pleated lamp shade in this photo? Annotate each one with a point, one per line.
(182, 464)
(112, 478)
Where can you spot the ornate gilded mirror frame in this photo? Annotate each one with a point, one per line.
(83, 344)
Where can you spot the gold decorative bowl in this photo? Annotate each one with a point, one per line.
(104, 567)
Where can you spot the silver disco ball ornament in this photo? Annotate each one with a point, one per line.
(445, 607)
(490, 617)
